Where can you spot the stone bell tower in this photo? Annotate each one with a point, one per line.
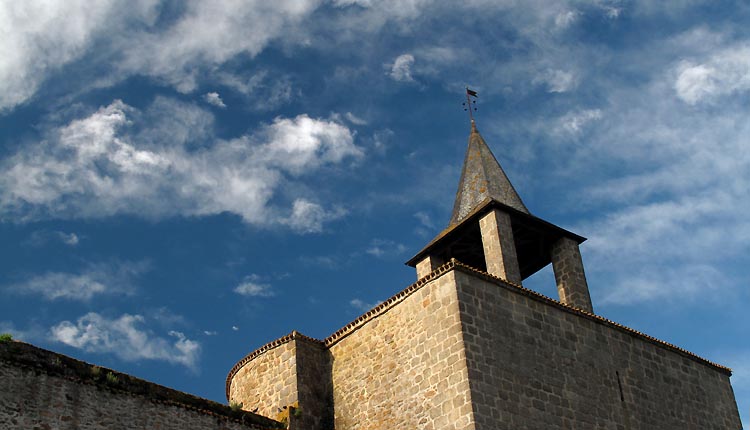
(492, 230)
(466, 347)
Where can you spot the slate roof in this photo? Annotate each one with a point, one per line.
(482, 178)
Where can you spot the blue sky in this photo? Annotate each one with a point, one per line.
(181, 182)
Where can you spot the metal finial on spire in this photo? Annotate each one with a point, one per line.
(470, 105)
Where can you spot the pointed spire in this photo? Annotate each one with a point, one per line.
(482, 178)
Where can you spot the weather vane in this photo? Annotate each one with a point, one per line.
(470, 104)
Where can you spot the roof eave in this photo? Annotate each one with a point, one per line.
(481, 209)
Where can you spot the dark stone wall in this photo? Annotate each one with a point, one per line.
(314, 386)
(43, 390)
(534, 365)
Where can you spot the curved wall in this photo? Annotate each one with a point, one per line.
(268, 381)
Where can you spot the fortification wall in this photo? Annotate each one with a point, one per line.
(43, 390)
(267, 380)
(405, 368)
(534, 365)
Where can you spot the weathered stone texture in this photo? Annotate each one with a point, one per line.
(314, 385)
(532, 366)
(47, 395)
(405, 369)
(427, 265)
(268, 382)
(499, 249)
(569, 275)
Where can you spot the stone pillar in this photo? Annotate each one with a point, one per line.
(427, 265)
(499, 248)
(314, 387)
(571, 280)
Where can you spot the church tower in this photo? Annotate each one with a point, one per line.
(492, 230)
(467, 347)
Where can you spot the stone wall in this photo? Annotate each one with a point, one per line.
(533, 364)
(266, 381)
(404, 368)
(314, 385)
(288, 379)
(43, 390)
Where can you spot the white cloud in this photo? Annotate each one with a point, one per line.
(573, 123)
(558, 81)
(612, 12)
(252, 286)
(166, 318)
(213, 98)
(378, 12)
(401, 68)
(208, 34)
(263, 90)
(362, 306)
(667, 186)
(97, 279)
(354, 119)
(96, 167)
(300, 144)
(382, 248)
(42, 237)
(126, 338)
(309, 217)
(69, 238)
(723, 73)
(424, 220)
(565, 19)
(666, 284)
(38, 37)
(235, 328)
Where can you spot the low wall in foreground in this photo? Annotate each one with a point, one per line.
(43, 390)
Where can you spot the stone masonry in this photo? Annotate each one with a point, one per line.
(569, 275)
(268, 382)
(401, 365)
(499, 249)
(463, 349)
(536, 365)
(427, 265)
(41, 390)
(292, 373)
(406, 368)
(314, 385)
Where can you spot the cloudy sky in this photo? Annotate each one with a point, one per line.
(181, 182)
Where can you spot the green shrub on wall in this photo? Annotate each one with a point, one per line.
(236, 407)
